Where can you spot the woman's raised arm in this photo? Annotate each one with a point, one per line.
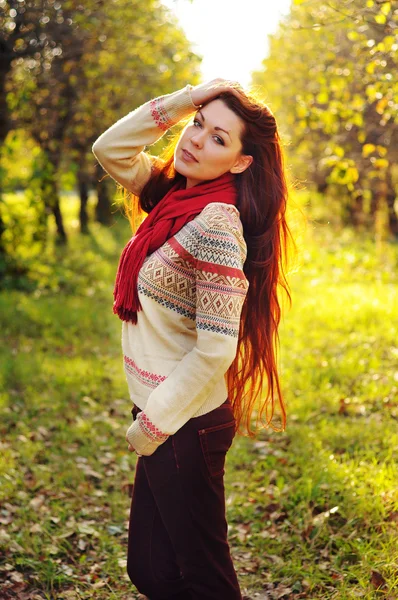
(120, 149)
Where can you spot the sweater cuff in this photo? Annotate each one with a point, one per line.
(189, 88)
(168, 110)
(144, 436)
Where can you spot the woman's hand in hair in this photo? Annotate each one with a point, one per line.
(210, 89)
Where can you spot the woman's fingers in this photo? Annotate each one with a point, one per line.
(130, 447)
(234, 87)
(206, 91)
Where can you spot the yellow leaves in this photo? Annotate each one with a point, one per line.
(371, 92)
(357, 102)
(352, 35)
(352, 174)
(301, 111)
(381, 163)
(385, 8)
(388, 43)
(357, 119)
(329, 119)
(344, 173)
(341, 91)
(368, 149)
(382, 150)
(380, 19)
(380, 106)
(338, 150)
(322, 97)
(338, 84)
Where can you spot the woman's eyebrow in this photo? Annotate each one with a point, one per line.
(216, 128)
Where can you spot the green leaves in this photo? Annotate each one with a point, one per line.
(333, 86)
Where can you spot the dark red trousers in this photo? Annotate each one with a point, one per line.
(178, 545)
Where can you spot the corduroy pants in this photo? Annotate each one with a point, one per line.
(178, 545)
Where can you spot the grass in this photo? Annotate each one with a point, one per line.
(312, 511)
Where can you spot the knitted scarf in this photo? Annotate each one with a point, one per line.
(174, 210)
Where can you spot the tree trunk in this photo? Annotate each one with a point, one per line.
(83, 216)
(61, 233)
(49, 190)
(391, 199)
(5, 126)
(355, 209)
(380, 214)
(2, 230)
(103, 208)
(83, 193)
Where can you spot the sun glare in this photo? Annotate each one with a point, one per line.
(230, 36)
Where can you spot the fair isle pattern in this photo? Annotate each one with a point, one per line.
(149, 429)
(221, 285)
(167, 276)
(198, 272)
(151, 380)
(219, 217)
(159, 114)
(220, 297)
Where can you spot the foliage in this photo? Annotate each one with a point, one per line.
(329, 79)
(88, 70)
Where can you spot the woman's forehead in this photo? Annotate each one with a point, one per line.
(217, 114)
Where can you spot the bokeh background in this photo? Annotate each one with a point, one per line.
(313, 510)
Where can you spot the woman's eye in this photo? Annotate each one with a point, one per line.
(216, 137)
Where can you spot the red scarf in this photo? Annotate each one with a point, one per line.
(175, 209)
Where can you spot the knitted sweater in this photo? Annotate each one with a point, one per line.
(191, 290)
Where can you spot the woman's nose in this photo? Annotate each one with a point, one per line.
(197, 140)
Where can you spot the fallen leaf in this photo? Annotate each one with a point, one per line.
(377, 580)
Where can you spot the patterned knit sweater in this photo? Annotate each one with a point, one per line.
(191, 290)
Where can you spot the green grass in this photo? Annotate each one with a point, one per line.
(312, 511)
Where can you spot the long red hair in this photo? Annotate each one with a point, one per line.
(252, 379)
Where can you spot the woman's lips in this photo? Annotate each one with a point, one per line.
(188, 156)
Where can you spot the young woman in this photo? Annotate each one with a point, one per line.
(196, 290)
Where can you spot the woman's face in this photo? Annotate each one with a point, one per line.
(210, 145)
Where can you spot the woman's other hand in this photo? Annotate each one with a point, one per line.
(210, 89)
(130, 448)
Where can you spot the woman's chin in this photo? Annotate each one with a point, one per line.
(181, 168)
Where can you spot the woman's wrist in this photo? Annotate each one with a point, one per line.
(190, 88)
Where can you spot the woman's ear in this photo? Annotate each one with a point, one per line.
(243, 162)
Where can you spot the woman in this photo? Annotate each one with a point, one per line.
(196, 292)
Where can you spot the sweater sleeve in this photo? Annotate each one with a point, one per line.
(120, 149)
(221, 288)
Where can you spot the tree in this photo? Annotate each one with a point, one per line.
(329, 79)
(65, 93)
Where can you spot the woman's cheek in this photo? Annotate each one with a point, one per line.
(220, 161)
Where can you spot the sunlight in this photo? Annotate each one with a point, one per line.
(232, 40)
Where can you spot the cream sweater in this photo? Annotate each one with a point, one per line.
(191, 290)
